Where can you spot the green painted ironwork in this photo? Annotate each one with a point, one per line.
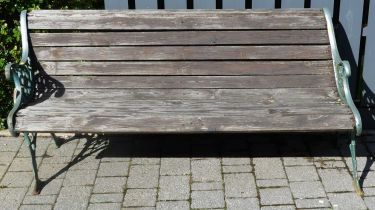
(30, 141)
(342, 74)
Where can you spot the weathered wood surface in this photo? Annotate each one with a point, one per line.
(175, 20)
(300, 52)
(181, 38)
(280, 81)
(250, 68)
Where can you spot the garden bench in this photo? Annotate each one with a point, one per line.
(249, 71)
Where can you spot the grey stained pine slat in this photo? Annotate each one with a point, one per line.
(188, 68)
(295, 52)
(275, 122)
(175, 20)
(165, 38)
(186, 82)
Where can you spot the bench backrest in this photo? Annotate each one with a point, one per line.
(183, 49)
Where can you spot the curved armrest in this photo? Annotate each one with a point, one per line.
(342, 73)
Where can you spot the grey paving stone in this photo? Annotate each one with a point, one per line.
(3, 170)
(66, 150)
(57, 160)
(139, 208)
(207, 186)
(9, 144)
(6, 158)
(207, 199)
(73, 197)
(23, 164)
(174, 188)
(298, 161)
(106, 206)
(40, 199)
(369, 178)
(36, 207)
(301, 173)
(51, 188)
(172, 205)
(143, 176)
(346, 201)
(330, 164)
(42, 146)
(140, 197)
(283, 207)
(275, 196)
(370, 202)
(242, 203)
(307, 189)
(268, 168)
(312, 203)
(17, 179)
(175, 166)
(113, 169)
(47, 171)
(369, 191)
(336, 180)
(80, 177)
(107, 198)
(235, 161)
(109, 184)
(263, 183)
(361, 163)
(115, 159)
(12, 196)
(240, 185)
(206, 170)
(90, 164)
(237, 169)
(146, 161)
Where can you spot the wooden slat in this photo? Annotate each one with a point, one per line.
(181, 38)
(262, 82)
(163, 123)
(189, 68)
(186, 53)
(175, 20)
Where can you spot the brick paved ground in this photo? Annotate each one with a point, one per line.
(187, 172)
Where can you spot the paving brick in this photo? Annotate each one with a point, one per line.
(235, 161)
(174, 188)
(51, 188)
(42, 145)
(86, 164)
(283, 207)
(237, 169)
(107, 198)
(242, 203)
(330, 164)
(73, 197)
(66, 150)
(172, 205)
(3, 170)
(6, 158)
(207, 199)
(369, 191)
(175, 166)
(140, 197)
(312, 203)
(9, 144)
(57, 159)
(301, 173)
(143, 176)
(307, 189)
(370, 202)
(361, 163)
(36, 207)
(206, 170)
(268, 168)
(109, 184)
(275, 196)
(336, 180)
(264, 183)
(346, 201)
(298, 161)
(23, 164)
(240, 185)
(106, 206)
(80, 177)
(47, 171)
(12, 196)
(146, 161)
(369, 178)
(113, 169)
(17, 179)
(207, 186)
(40, 199)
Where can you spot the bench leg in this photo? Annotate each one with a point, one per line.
(352, 148)
(31, 143)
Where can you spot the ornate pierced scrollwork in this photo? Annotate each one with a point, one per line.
(342, 74)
